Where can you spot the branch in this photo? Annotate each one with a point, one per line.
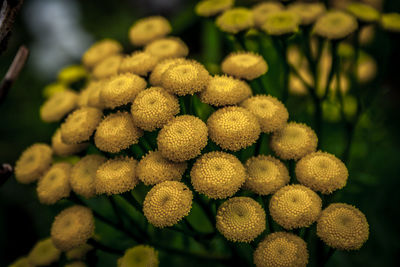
(8, 13)
(5, 172)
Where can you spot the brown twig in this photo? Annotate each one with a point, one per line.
(8, 13)
(5, 172)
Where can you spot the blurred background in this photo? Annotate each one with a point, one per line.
(57, 32)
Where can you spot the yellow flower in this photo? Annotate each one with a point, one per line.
(246, 65)
(167, 203)
(78, 252)
(182, 138)
(225, 90)
(116, 132)
(80, 125)
(153, 168)
(271, 114)
(235, 20)
(160, 68)
(343, 226)
(335, 25)
(139, 63)
(391, 22)
(153, 108)
(99, 51)
(261, 10)
(308, 12)
(363, 12)
(281, 249)
(321, 172)
(217, 175)
(54, 185)
(21, 262)
(72, 227)
(62, 149)
(139, 256)
(53, 88)
(170, 47)
(294, 141)
(233, 128)
(295, 206)
(240, 219)
(265, 174)
(58, 105)
(148, 29)
(281, 22)
(44, 253)
(116, 176)
(121, 89)
(366, 68)
(32, 163)
(83, 175)
(76, 264)
(107, 67)
(71, 74)
(208, 8)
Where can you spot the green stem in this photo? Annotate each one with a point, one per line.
(334, 68)
(132, 200)
(116, 211)
(98, 245)
(182, 105)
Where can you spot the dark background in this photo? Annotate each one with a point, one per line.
(57, 32)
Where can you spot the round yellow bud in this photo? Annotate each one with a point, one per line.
(58, 105)
(171, 47)
(99, 51)
(72, 227)
(233, 128)
(167, 203)
(160, 68)
(335, 25)
(391, 22)
(21, 262)
(208, 8)
(343, 226)
(62, 149)
(235, 20)
(182, 138)
(139, 63)
(295, 206)
(261, 10)
(246, 65)
(148, 29)
(217, 175)
(139, 256)
(281, 22)
(294, 141)
(116, 132)
(71, 74)
(308, 12)
(44, 253)
(32, 163)
(108, 67)
(363, 12)
(53, 88)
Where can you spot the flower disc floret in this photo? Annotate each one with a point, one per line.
(235, 20)
(149, 29)
(62, 149)
(335, 25)
(261, 10)
(99, 51)
(44, 253)
(171, 47)
(208, 8)
(281, 22)
(140, 63)
(246, 65)
(139, 256)
(58, 105)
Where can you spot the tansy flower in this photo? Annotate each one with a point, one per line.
(171, 47)
(83, 175)
(321, 172)
(335, 25)
(295, 206)
(294, 141)
(44, 253)
(235, 20)
(261, 10)
(265, 174)
(58, 105)
(233, 128)
(240, 219)
(363, 12)
(116, 132)
(139, 63)
(208, 8)
(32, 163)
(308, 12)
(99, 51)
(148, 29)
(21, 262)
(185, 78)
(160, 68)
(121, 89)
(391, 22)
(72, 227)
(107, 67)
(217, 175)
(246, 65)
(76, 264)
(54, 185)
(153, 108)
(62, 149)
(225, 90)
(366, 68)
(182, 138)
(71, 74)
(281, 249)
(80, 125)
(167, 203)
(281, 22)
(343, 226)
(153, 168)
(271, 114)
(94, 99)
(78, 252)
(53, 88)
(116, 176)
(139, 256)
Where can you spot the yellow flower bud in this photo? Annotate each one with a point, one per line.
(148, 29)
(99, 51)
(62, 149)
(363, 12)
(235, 20)
(139, 256)
(281, 22)
(160, 68)
(44, 253)
(108, 67)
(171, 47)
(58, 105)
(139, 63)
(246, 65)
(308, 12)
(261, 10)
(335, 25)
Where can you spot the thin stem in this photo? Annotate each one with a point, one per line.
(98, 245)
(331, 251)
(116, 211)
(182, 105)
(132, 200)
(269, 219)
(334, 68)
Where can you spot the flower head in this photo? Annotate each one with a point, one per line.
(72, 227)
(44, 253)
(90, 95)
(139, 63)
(58, 105)
(391, 22)
(62, 149)
(32, 163)
(208, 8)
(108, 67)
(265, 174)
(139, 256)
(261, 10)
(281, 249)
(295, 206)
(149, 29)
(308, 12)
(182, 138)
(99, 51)
(281, 22)
(170, 47)
(71, 74)
(235, 20)
(335, 25)
(160, 68)
(363, 12)
(217, 175)
(21, 262)
(240, 219)
(246, 65)
(233, 128)
(167, 203)
(78, 252)
(343, 226)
